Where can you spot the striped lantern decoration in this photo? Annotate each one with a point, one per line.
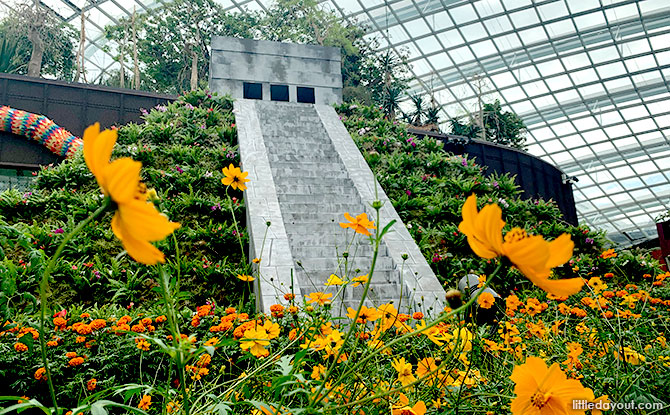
(41, 129)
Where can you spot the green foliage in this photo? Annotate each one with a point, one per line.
(59, 39)
(171, 35)
(183, 147)
(428, 188)
(504, 128)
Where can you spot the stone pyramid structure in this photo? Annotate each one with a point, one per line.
(305, 173)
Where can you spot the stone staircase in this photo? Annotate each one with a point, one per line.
(314, 191)
(305, 172)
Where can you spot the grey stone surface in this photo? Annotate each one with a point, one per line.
(418, 279)
(306, 172)
(235, 61)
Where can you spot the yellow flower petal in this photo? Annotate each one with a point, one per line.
(122, 178)
(98, 150)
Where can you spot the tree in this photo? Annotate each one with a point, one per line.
(505, 128)
(500, 127)
(303, 21)
(44, 44)
(174, 41)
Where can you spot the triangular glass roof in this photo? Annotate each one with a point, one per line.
(590, 78)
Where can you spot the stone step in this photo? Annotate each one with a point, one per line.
(288, 189)
(293, 157)
(317, 198)
(384, 263)
(378, 293)
(316, 279)
(340, 208)
(298, 146)
(292, 172)
(321, 180)
(332, 251)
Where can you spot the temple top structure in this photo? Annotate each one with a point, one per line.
(276, 71)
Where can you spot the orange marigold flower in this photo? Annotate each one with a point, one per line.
(85, 315)
(70, 355)
(289, 296)
(146, 321)
(91, 384)
(293, 309)
(418, 315)
(608, 254)
(138, 328)
(402, 317)
(40, 374)
(143, 345)
(20, 347)
(204, 310)
(195, 321)
(360, 224)
(231, 310)
(80, 339)
(204, 360)
(161, 319)
(60, 322)
(52, 343)
(212, 342)
(98, 323)
(76, 361)
(145, 403)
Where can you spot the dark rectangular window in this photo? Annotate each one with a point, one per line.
(306, 95)
(253, 90)
(279, 92)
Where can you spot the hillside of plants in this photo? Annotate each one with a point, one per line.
(120, 336)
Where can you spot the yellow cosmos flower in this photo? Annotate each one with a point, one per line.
(486, 300)
(318, 297)
(404, 370)
(136, 222)
(255, 339)
(245, 278)
(360, 224)
(234, 177)
(532, 255)
(366, 314)
(545, 391)
(334, 280)
(403, 408)
(360, 280)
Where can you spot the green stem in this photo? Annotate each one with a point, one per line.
(439, 320)
(44, 283)
(176, 337)
(237, 230)
(352, 327)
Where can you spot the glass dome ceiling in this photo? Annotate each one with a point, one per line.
(590, 78)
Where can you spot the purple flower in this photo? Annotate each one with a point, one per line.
(59, 230)
(409, 193)
(179, 169)
(495, 184)
(161, 108)
(215, 207)
(464, 162)
(202, 127)
(589, 241)
(144, 112)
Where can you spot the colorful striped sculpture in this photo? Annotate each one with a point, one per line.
(41, 129)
